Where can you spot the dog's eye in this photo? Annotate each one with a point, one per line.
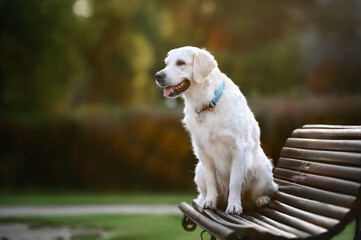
(180, 63)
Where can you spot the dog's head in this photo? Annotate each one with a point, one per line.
(185, 66)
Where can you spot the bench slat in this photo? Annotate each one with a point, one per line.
(279, 225)
(315, 219)
(235, 218)
(347, 173)
(271, 228)
(323, 126)
(245, 224)
(240, 225)
(322, 144)
(291, 221)
(212, 227)
(231, 218)
(218, 217)
(322, 182)
(316, 207)
(337, 199)
(343, 158)
(349, 133)
(211, 214)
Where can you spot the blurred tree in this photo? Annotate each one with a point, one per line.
(121, 56)
(254, 41)
(57, 55)
(36, 50)
(332, 47)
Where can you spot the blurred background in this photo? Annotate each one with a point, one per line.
(80, 111)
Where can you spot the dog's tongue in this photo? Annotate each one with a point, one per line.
(167, 91)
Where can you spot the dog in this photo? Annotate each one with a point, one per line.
(233, 171)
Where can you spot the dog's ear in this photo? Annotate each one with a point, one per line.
(203, 64)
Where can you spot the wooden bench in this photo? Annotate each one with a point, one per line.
(319, 177)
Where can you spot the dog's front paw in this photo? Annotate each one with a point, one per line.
(201, 199)
(209, 203)
(262, 200)
(234, 208)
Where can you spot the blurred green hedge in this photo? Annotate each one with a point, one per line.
(136, 150)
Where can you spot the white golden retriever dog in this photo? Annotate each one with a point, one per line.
(232, 170)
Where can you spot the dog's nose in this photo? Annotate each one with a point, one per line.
(159, 77)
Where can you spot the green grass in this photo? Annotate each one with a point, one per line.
(119, 226)
(93, 198)
(132, 227)
(347, 233)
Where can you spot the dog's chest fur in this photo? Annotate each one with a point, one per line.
(212, 137)
(222, 131)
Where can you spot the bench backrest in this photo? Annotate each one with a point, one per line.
(319, 174)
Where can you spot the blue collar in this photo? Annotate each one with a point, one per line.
(212, 104)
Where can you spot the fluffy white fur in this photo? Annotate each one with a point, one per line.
(232, 170)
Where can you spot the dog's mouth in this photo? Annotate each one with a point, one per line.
(175, 91)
